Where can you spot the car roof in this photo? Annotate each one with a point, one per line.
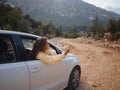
(18, 33)
(22, 34)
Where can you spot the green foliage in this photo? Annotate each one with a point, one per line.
(34, 24)
(24, 25)
(13, 19)
(58, 32)
(38, 30)
(113, 26)
(4, 10)
(97, 31)
(48, 30)
(116, 36)
(95, 28)
(72, 33)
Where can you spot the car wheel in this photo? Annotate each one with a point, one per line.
(74, 79)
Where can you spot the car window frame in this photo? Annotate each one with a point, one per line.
(29, 37)
(10, 37)
(18, 47)
(22, 49)
(58, 51)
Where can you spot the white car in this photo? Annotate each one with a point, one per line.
(18, 72)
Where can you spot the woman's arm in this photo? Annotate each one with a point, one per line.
(50, 59)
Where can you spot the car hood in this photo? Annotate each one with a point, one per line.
(71, 55)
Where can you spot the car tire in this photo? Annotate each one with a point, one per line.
(74, 79)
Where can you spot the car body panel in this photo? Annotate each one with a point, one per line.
(47, 76)
(14, 76)
(71, 62)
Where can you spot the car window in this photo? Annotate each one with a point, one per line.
(7, 54)
(56, 49)
(28, 44)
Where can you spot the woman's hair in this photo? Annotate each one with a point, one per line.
(39, 45)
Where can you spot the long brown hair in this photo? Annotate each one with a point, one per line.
(39, 46)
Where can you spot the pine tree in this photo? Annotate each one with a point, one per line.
(95, 28)
(113, 26)
(58, 32)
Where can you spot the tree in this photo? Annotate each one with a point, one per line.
(14, 17)
(95, 28)
(4, 10)
(38, 31)
(58, 32)
(113, 27)
(34, 24)
(24, 25)
(72, 32)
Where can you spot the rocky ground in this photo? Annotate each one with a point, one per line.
(100, 65)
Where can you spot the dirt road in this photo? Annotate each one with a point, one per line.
(100, 66)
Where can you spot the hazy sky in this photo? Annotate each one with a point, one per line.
(110, 5)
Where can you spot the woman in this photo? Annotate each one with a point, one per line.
(41, 51)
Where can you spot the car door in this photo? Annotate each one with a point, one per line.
(45, 76)
(13, 72)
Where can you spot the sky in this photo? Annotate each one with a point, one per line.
(110, 5)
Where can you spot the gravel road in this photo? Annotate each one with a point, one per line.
(100, 66)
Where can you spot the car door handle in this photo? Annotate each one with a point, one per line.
(35, 69)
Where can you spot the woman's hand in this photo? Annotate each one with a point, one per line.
(66, 51)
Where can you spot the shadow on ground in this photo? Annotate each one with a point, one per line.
(83, 86)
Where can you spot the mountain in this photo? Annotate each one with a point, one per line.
(63, 12)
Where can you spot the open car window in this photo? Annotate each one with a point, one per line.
(28, 44)
(55, 48)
